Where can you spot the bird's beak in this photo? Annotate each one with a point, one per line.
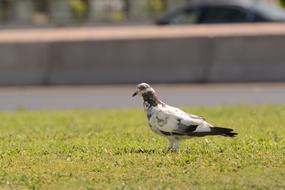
(134, 94)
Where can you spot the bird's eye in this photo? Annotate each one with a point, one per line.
(141, 87)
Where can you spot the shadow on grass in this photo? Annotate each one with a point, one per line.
(135, 151)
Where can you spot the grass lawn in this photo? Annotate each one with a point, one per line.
(114, 149)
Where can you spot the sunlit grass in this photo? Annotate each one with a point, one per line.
(114, 149)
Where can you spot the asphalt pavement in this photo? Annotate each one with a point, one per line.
(119, 96)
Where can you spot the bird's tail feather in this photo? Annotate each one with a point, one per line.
(227, 132)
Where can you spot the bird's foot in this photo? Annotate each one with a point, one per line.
(166, 150)
(175, 150)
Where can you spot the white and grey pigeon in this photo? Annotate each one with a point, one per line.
(173, 123)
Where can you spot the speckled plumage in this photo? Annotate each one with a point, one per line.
(172, 122)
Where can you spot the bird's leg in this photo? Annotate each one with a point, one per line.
(175, 147)
(170, 146)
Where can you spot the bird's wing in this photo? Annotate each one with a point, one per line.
(181, 112)
(181, 123)
(196, 117)
(173, 121)
(176, 121)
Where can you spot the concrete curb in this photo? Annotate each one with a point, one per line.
(223, 53)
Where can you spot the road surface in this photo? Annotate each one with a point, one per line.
(119, 96)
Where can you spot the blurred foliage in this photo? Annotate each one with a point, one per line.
(282, 3)
(157, 6)
(79, 8)
(118, 16)
(115, 11)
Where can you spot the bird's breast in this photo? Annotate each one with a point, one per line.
(159, 119)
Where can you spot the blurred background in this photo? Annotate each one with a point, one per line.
(58, 54)
(82, 12)
(94, 12)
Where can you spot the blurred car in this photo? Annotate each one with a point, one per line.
(223, 11)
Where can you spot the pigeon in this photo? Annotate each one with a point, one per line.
(172, 122)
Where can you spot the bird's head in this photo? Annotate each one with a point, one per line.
(142, 89)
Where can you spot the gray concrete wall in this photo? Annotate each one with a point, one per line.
(235, 53)
(23, 63)
(248, 59)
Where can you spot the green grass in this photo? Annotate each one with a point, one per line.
(114, 149)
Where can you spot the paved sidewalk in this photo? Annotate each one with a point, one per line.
(119, 96)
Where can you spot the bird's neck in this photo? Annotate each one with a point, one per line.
(151, 98)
